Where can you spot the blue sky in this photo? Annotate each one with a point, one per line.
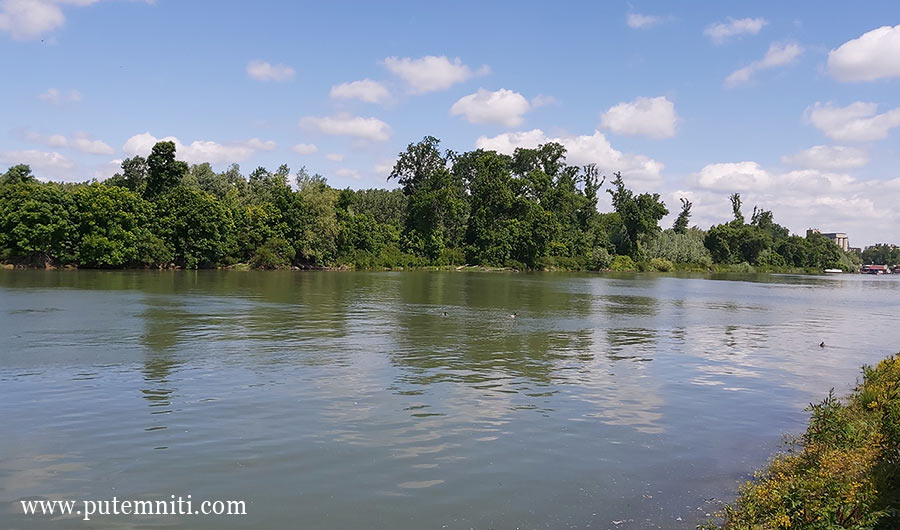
(795, 105)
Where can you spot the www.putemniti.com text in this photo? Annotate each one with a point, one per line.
(174, 506)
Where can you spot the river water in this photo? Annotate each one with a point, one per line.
(413, 400)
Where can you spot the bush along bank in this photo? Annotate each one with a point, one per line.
(843, 472)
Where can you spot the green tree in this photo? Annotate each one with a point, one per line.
(640, 214)
(111, 227)
(437, 203)
(881, 254)
(736, 207)
(684, 217)
(310, 216)
(195, 225)
(17, 174)
(133, 176)
(164, 173)
(36, 225)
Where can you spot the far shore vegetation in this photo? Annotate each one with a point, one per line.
(528, 211)
(843, 472)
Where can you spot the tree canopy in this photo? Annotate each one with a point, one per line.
(530, 209)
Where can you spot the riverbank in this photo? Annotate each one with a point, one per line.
(655, 265)
(843, 472)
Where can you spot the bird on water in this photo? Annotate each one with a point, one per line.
(822, 344)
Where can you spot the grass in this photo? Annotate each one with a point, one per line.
(844, 472)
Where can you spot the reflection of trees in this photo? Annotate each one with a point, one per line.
(164, 320)
(478, 342)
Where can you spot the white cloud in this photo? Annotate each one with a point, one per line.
(55, 97)
(828, 157)
(347, 173)
(779, 54)
(857, 122)
(639, 21)
(542, 100)
(431, 73)
(346, 125)
(503, 107)
(335, 157)
(733, 176)
(49, 163)
(364, 90)
(651, 117)
(199, 151)
(304, 149)
(719, 32)
(874, 55)
(582, 150)
(29, 19)
(264, 71)
(80, 141)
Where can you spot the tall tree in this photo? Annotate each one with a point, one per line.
(736, 207)
(164, 173)
(640, 214)
(681, 222)
(438, 206)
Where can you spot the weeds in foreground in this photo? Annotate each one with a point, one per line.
(844, 472)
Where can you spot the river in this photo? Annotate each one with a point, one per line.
(413, 400)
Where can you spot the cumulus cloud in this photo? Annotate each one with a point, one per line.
(335, 157)
(502, 107)
(828, 157)
(80, 141)
(347, 173)
(639, 21)
(304, 149)
(359, 127)
(857, 122)
(199, 151)
(49, 164)
(265, 71)
(28, 19)
(582, 150)
(364, 90)
(779, 54)
(650, 117)
(874, 55)
(56, 97)
(720, 32)
(733, 176)
(431, 73)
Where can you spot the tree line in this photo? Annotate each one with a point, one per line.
(528, 210)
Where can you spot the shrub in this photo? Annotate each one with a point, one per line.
(679, 248)
(661, 265)
(600, 259)
(845, 472)
(623, 264)
(276, 253)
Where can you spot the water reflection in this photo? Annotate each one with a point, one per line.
(336, 398)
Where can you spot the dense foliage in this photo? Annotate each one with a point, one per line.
(528, 210)
(844, 471)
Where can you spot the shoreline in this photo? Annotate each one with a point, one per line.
(639, 267)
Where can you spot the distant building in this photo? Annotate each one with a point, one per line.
(840, 239)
